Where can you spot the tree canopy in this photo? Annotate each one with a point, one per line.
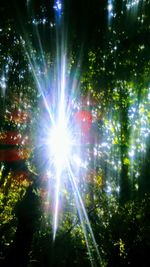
(98, 53)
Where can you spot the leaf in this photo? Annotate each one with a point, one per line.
(126, 161)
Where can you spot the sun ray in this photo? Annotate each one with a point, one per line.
(83, 214)
(58, 134)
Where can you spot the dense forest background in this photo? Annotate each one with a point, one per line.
(107, 46)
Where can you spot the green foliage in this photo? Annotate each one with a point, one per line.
(11, 192)
(116, 193)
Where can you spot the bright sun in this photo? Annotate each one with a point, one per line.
(60, 144)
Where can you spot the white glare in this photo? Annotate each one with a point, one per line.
(131, 153)
(60, 148)
(110, 7)
(132, 4)
(60, 143)
(65, 158)
(58, 5)
(79, 162)
(149, 96)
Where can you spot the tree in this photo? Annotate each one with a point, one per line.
(112, 115)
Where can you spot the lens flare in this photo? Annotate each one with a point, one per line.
(60, 144)
(63, 129)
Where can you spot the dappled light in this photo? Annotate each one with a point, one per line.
(74, 133)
